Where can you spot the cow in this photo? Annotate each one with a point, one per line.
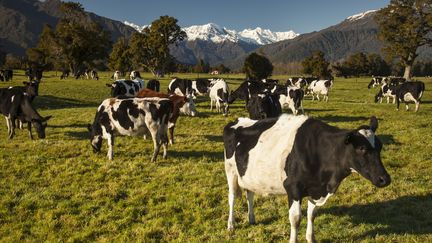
(65, 74)
(219, 94)
(131, 117)
(16, 104)
(246, 90)
(154, 85)
(124, 87)
(181, 104)
(186, 87)
(388, 91)
(34, 73)
(298, 82)
(300, 157)
(376, 81)
(93, 74)
(6, 75)
(309, 80)
(134, 75)
(262, 106)
(320, 87)
(82, 73)
(394, 81)
(292, 98)
(116, 75)
(409, 92)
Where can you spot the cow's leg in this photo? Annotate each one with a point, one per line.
(7, 124)
(301, 106)
(406, 106)
(12, 126)
(294, 217)
(397, 103)
(29, 130)
(310, 237)
(211, 104)
(388, 99)
(233, 191)
(110, 141)
(171, 127)
(417, 103)
(156, 142)
(250, 196)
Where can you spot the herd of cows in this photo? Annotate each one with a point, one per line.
(267, 153)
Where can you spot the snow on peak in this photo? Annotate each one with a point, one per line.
(360, 15)
(215, 33)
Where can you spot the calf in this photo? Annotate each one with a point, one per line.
(180, 104)
(293, 98)
(154, 85)
(219, 94)
(320, 87)
(409, 92)
(263, 106)
(131, 117)
(299, 157)
(388, 91)
(376, 81)
(127, 88)
(134, 75)
(16, 104)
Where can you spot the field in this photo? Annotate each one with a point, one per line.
(57, 189)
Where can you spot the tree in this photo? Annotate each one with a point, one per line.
(377, 65)
(221, 69)
(2, 57)
(150, 48)
(257, 67)
(358, 64)
(405, 25)
(201, 67)
(316, 65)
(119, 58)
(44, 53)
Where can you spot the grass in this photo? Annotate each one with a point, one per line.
(57, 189)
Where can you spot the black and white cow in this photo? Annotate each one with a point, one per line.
(186, 87)
(16, 104)
(93, 74)
(376, 81)
(131, 117)
(388, 91)
(65, 74)
(6, 75)
(127, 88)
(298, 82)
(265, 105)
(116, 75)
(154, 85)
(320, 87)
(300, 157)
(409, 92)
(134, 75)
(219, 92)
(292, 98)
(247, 89)
(34, 73)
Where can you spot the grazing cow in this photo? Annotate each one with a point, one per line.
(127, 88)
(34, 73)
(16, 104)
(262, 106)
(186, 87)
(65, 74)
(93, 74)
(180, 104)
(134, 75)
(292, 98)
(410, 92)
(82, 73)
(219, 94)
(320, 87)
(131, 117)
(246, 90)
(154, 85)
(299, 157)
(6, 75)
(297, 82)
(376, 81)
(388, 91)
(116, 75)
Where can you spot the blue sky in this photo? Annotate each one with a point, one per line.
(279, 15)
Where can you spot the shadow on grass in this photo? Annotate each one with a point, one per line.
(81, 135)
(196, 154)
(388, 139)
(52, 102)
(213, 138)
(404, 215)
(336, 118)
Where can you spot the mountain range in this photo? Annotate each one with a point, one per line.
(21, 22)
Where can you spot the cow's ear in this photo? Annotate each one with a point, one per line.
(348, 137)
(373, 123)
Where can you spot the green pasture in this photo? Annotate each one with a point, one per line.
(57, 189)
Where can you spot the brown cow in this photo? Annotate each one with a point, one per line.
(180, 104)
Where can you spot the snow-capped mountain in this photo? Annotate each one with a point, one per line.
(213, 32)
(135, 26)
(360, 15)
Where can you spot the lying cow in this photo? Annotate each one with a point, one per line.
(131, 117)
(410, 92)
(180, 104)
(127, 88)
(219, 94)
(388, 91)
(262, 106)
(320, 87)
(154, 85)
(292, 98)
(300, 157)
(134, 75)
(15, 104)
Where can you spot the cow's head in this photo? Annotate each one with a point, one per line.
(372, 83)
(188, 108)
(32, 88)
(40, 125)
(363, 154)
(95, 137)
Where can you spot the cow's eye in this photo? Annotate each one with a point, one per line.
(362, 149)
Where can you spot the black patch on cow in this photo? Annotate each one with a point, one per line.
(223, 96)
(247, 137)
(165, 107)
(126, 108)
